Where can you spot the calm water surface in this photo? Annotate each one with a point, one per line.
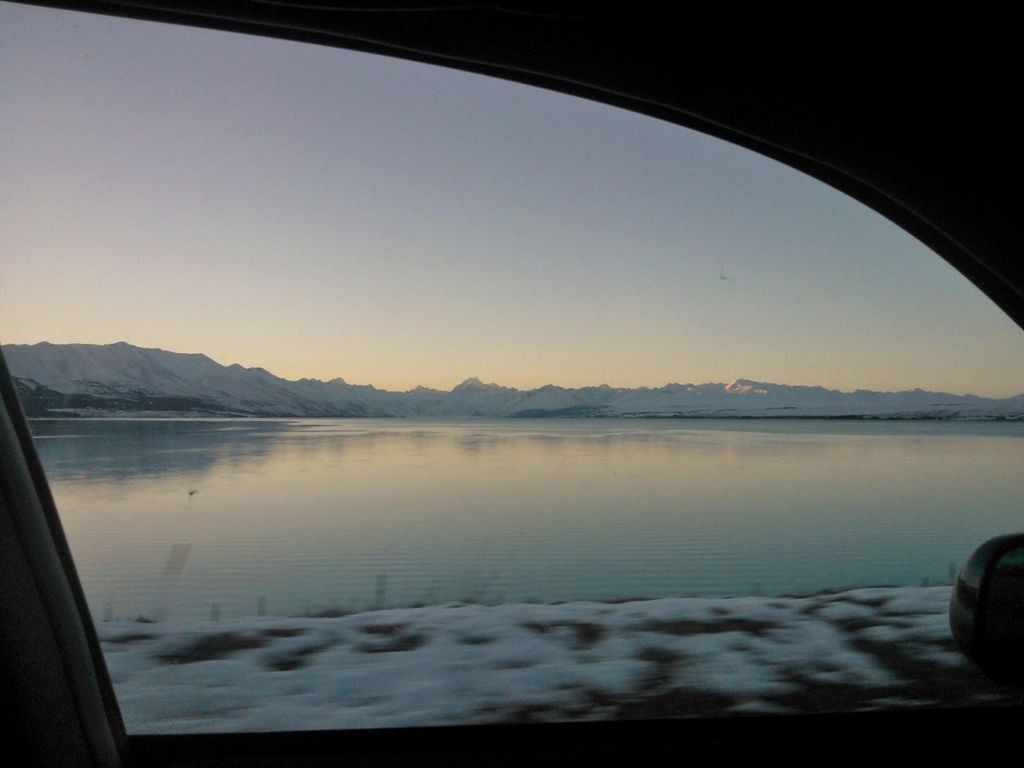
(200, 518)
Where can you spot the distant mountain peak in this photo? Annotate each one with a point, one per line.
(473, 383)
(746, 386)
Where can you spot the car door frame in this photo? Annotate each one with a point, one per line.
(53, 674)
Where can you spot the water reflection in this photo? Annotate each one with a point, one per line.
(293, 517)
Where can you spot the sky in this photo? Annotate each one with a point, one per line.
(325, 213)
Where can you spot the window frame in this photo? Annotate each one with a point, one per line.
(52, 665)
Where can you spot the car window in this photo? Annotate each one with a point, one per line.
(376, 394)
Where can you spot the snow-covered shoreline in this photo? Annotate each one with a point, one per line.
(450, 664)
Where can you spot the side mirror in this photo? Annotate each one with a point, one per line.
(986, 611)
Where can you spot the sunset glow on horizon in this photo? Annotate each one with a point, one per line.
(324, 213)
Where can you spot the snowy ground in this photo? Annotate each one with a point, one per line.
(862, 649)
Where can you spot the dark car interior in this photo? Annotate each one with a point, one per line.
(917, 127)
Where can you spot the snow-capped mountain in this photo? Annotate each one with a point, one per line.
(101, 379)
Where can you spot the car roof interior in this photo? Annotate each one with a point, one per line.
(924, 134)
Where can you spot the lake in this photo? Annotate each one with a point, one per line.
(200, 519)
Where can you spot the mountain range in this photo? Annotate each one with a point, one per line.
(124, 380)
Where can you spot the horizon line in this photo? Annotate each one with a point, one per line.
(471, 380)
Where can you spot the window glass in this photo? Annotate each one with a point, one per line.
(376, 394)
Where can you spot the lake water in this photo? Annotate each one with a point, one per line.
(195, 519)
